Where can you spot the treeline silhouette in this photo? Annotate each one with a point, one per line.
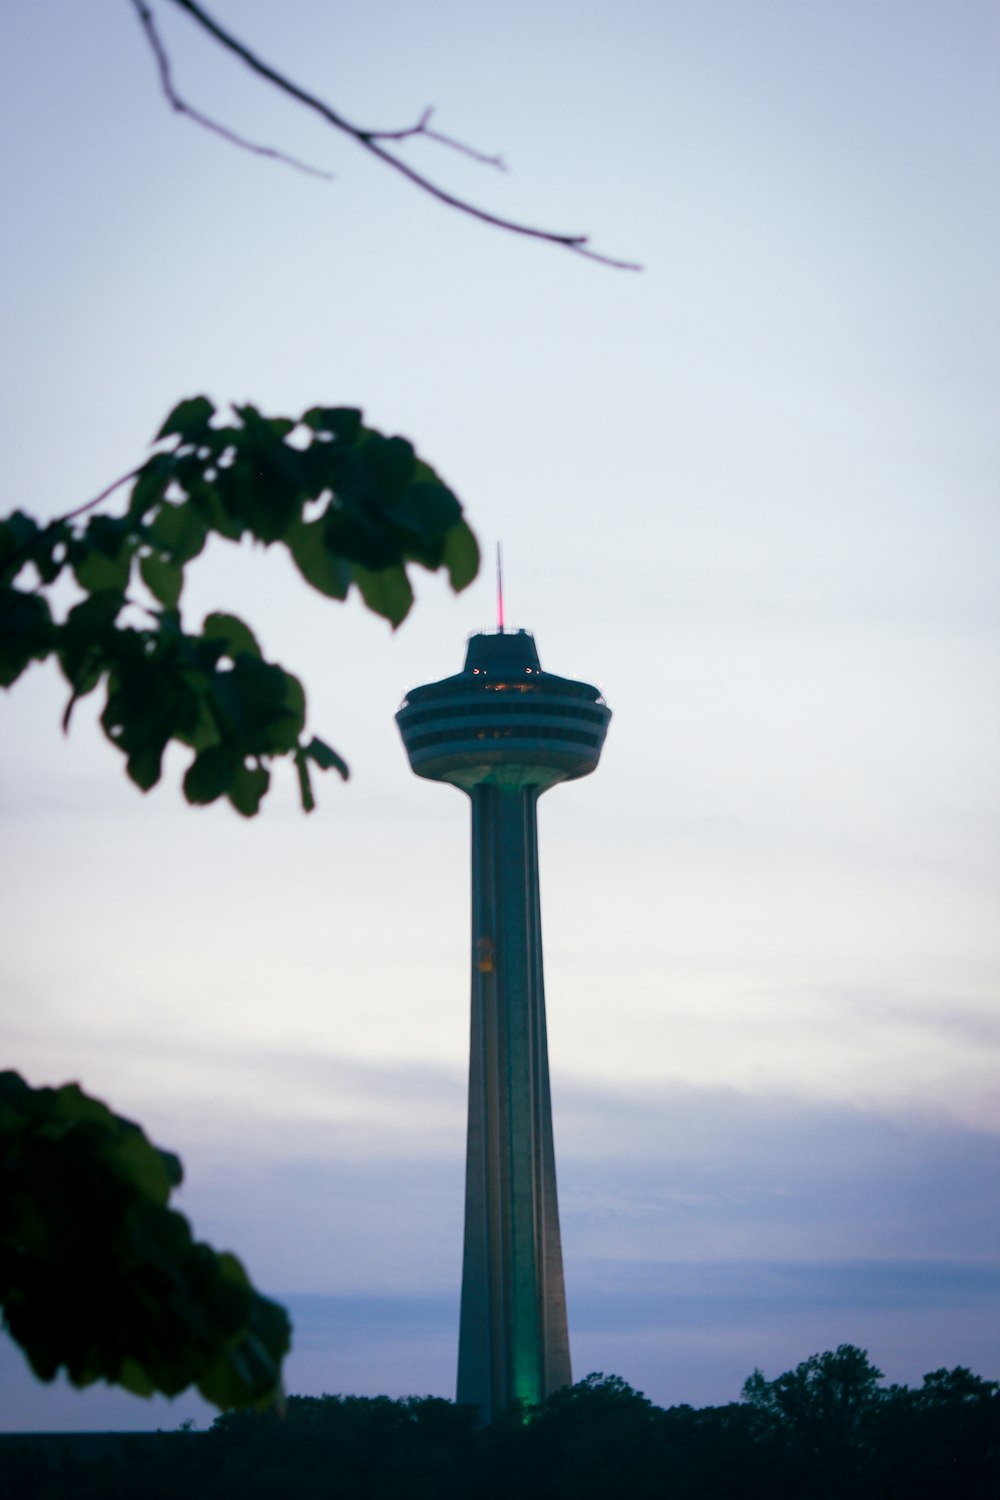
(828, 1430)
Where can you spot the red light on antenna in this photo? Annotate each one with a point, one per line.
(499, 589)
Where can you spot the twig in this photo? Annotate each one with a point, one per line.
(167, 84)
(81, 510)
(420, 128)
(371, 141)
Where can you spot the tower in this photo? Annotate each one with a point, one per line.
(504, 731)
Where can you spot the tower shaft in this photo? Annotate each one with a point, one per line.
(513, 1341)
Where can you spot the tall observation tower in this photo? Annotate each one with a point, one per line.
(504, 731)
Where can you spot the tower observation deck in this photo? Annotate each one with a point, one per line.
(504, 731)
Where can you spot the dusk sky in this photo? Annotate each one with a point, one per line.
(752, 491)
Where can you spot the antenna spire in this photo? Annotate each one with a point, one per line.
(500, 588)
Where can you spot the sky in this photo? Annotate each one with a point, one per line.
(751, 491)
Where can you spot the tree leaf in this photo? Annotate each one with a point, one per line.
(248, 787)
(461, 556)
(386, 591)
(269, 428)
(105, 559)
(87, 684)
(152, 483)
(17, 535)
(436, 508)
(132, 1377)
(163, 577)
(318, 563)
(187, 418)
(208, 501)
(50, 550)
(210, 774)
(340, 422)
(260, 708)
(264, 488)
(96, 615)
(26, 632)
(236, 636)
(391, 460)
(179, 530)
(145, 764)
(327, 758)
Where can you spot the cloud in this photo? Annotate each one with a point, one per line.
(334, 1170)
(720, 1174)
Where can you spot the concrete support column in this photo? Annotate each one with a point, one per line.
(513, 1341)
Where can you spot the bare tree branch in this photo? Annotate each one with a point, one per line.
(372, 140)
(167, 83)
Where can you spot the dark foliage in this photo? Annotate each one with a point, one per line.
(850, 1437)
(100, 1277)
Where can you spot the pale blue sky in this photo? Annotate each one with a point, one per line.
(752, 491)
